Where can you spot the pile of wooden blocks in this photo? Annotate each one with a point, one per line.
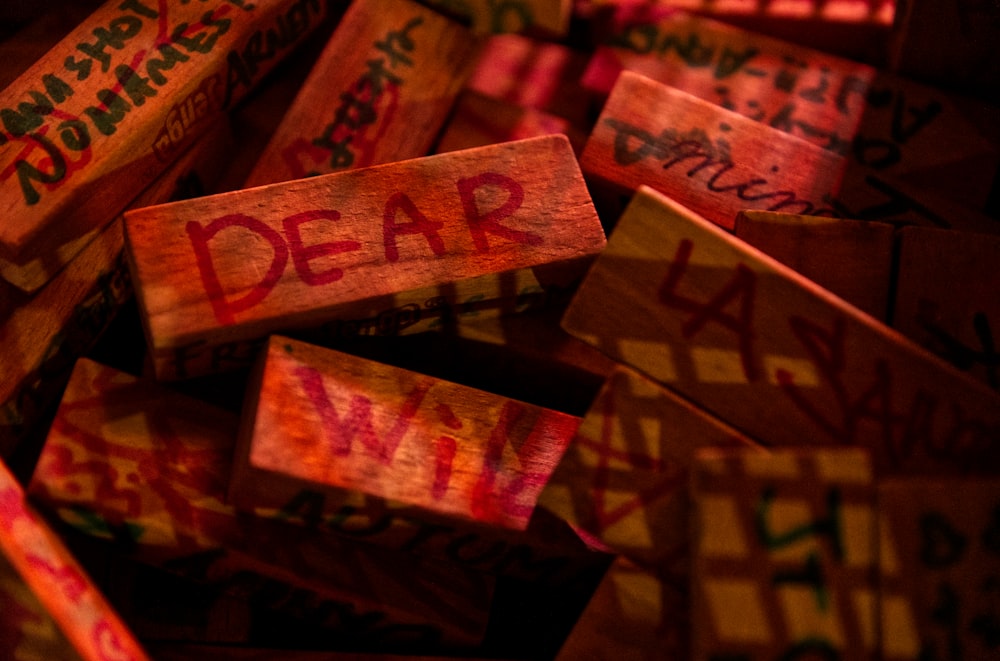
(499, 329)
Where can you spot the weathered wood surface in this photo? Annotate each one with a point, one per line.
(947, 297)
(549, 17)
(939, 567)
(130, 459)
(328, 421)
(851, 259)
(49, 571)
(378, 92)
(474, 228)
(708, 158)
(773, 354)
(117, 100)
(785, 555)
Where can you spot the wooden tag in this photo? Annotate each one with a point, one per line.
(710, 159)
(551, 17)
(115, 102)
(56, 580)
(946, 297)
(812, 95)
(770, 352)
(326, 419)
(475, 227)
(379, 92)
(784, 555)
(851, 259)
(131, 460)
(939, 555)
(26, 628)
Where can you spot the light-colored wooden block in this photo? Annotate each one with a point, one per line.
(708, 158)
(49, 571)
(378, 92)
(550, 17)
(130, 459)
(216, 275)
(43, 334)
(850, 258)
(805, 92)
(622, 484)
(117, 100)
(939, 550)
(785, 555)
(773, 354)
(328, 421)
(946, 297)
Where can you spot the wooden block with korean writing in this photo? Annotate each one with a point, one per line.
(784, 554)
(109, 107)
(939, 552)
(474, 228)
(808, 93)
(379, 92)
(330, 421)
(130, 460)
(548, 17)
(772, 353)
(622, 484)
(852, 259)
(946, 297)
(42, 565)
(706, 157)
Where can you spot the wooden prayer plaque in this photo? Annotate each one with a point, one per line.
(939, 568)
(947, 297)
(785, 555)
(850, 258)
(490, 17)
(373, 251)
(706, 157)
(773, 354)
(113, 104)
(131, 460)
(379, 92)
(329, 421)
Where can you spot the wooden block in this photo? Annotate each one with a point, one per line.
(849, 258)
(480, 120)
(939, 568)
(622, 485)
(130, 460)
(56, 580)
(387, 80)
(808, 93)
(772, 353)
(710, 159)
(330, 421)
(26, 629)
(45, 333)
(549, 17)
(785, 555)
(946, 297)
(490, 223)
(116, 101)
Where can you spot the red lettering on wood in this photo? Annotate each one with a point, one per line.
(481, 224)
(302, 255)
(418, 225)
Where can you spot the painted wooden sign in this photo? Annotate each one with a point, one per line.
(708, 158)
(331, 421)
(812, 95)
(549, 17)
(379, 92)
(851, 259)
(622, 484)
(51, 574)
(946, 297)
(474, 227)
(784, 555)
(110, 106)
(939, 568)
(131, 460)
(773, 354)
